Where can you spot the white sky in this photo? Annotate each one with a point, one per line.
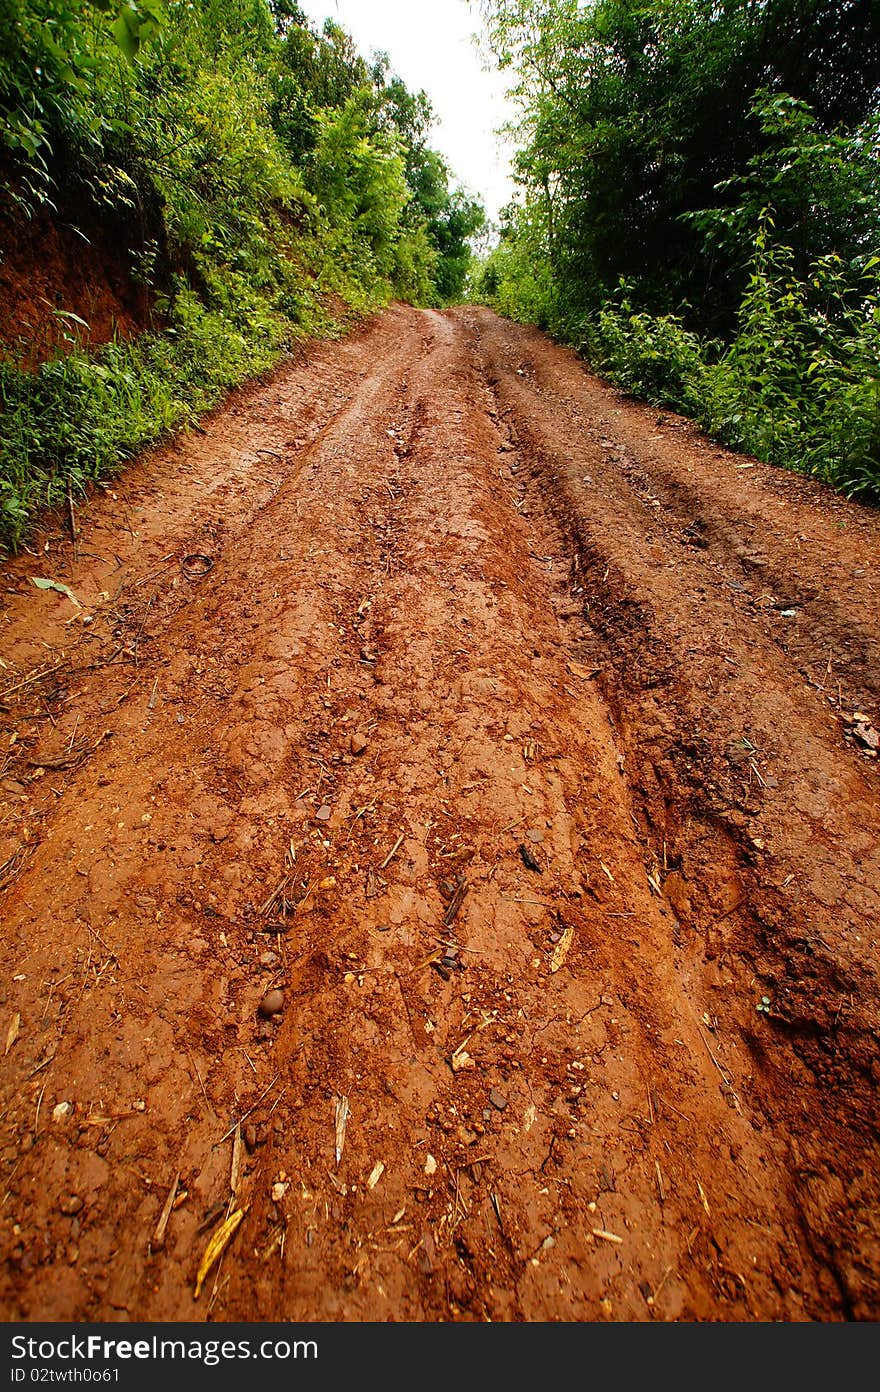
(430, 45)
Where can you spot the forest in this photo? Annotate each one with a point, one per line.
(259, 181)
(697, 214)
(700, 212)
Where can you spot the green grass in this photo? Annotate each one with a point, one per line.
(80, 417)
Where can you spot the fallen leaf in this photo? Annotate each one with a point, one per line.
(217, 1245)
(585, 673)
(42, 584)
(562, 949)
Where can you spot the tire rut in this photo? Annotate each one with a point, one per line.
(370, 763)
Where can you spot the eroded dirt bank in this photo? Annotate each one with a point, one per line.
(511, 734)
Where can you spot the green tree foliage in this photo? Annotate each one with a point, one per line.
(718, 159)
(270, 168)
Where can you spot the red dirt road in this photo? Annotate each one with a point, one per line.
(510, 734)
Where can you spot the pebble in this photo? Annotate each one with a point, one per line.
(535, 834)
(271, 1004)
(71, 1206)
(268, 959)
(358, 743)
(250, 1139)
(383, 927)
(323, 813)
(498, 1101)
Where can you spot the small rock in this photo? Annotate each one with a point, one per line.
(268, 959)
(430, 1165)
(11, 785)
(61, 1111)
(250, 1139)
(498, 1102)
(271, 1004)
(358, 743)
(383, 927)
(427, 1254)
(323, 813)
(535, 834)
(71, 1206)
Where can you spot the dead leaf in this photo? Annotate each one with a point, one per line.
(217, 1245)
(562, 949)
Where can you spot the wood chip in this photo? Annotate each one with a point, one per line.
(342, 1114)
(12, 1032)
(159, 1233)
(607, 1236)
(217, 1245)
(562, 949)
(235, 1172)
(456, 902)
(528, 859)
(376, 1174)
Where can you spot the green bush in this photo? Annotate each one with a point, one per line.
(272, 171)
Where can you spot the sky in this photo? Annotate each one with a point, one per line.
(430, 45)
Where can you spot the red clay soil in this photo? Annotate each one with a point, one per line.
(507, 728)
(55, 266)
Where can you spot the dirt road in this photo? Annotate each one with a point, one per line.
(508, 728)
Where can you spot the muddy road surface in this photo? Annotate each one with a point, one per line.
(525, 742)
